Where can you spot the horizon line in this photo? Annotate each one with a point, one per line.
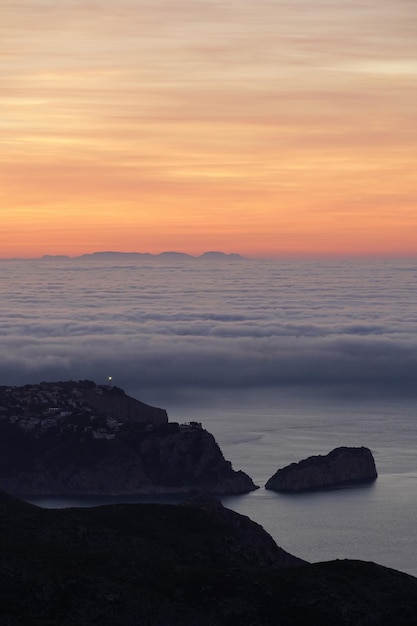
(219, 254)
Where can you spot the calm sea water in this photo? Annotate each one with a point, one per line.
(262, 432)
(279, 360)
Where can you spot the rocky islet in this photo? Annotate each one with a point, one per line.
(342, 466)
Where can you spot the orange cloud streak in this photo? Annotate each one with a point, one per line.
(266, 130)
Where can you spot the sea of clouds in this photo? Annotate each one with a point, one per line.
(160, 326)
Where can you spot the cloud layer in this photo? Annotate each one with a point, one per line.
(232, 324)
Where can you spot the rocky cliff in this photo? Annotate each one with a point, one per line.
(166, 565)
(161, 461)
(83, 439)
(340, 467)
(252, 545)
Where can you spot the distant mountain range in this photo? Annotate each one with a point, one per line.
(169, 256)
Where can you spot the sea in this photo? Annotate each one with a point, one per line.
(280, 359)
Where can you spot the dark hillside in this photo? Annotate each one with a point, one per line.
(167, 565)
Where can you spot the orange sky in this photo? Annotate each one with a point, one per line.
(262, 128)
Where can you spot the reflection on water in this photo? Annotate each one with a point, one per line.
(62, 502)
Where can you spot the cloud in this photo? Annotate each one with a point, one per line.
(176, 327)
(280, 127)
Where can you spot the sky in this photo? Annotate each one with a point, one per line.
(271, 128)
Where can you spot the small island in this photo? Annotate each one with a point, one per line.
(83, 439)
(341, 467)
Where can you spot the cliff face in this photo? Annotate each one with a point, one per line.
(79, 438)
(247, 540)
(166, 459)
(340, 467)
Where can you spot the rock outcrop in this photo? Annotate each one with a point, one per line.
(71, 439)
(342, 466)
(155, 462)
(251, 543)
(173, 565)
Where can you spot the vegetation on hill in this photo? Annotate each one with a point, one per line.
(176, 565)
